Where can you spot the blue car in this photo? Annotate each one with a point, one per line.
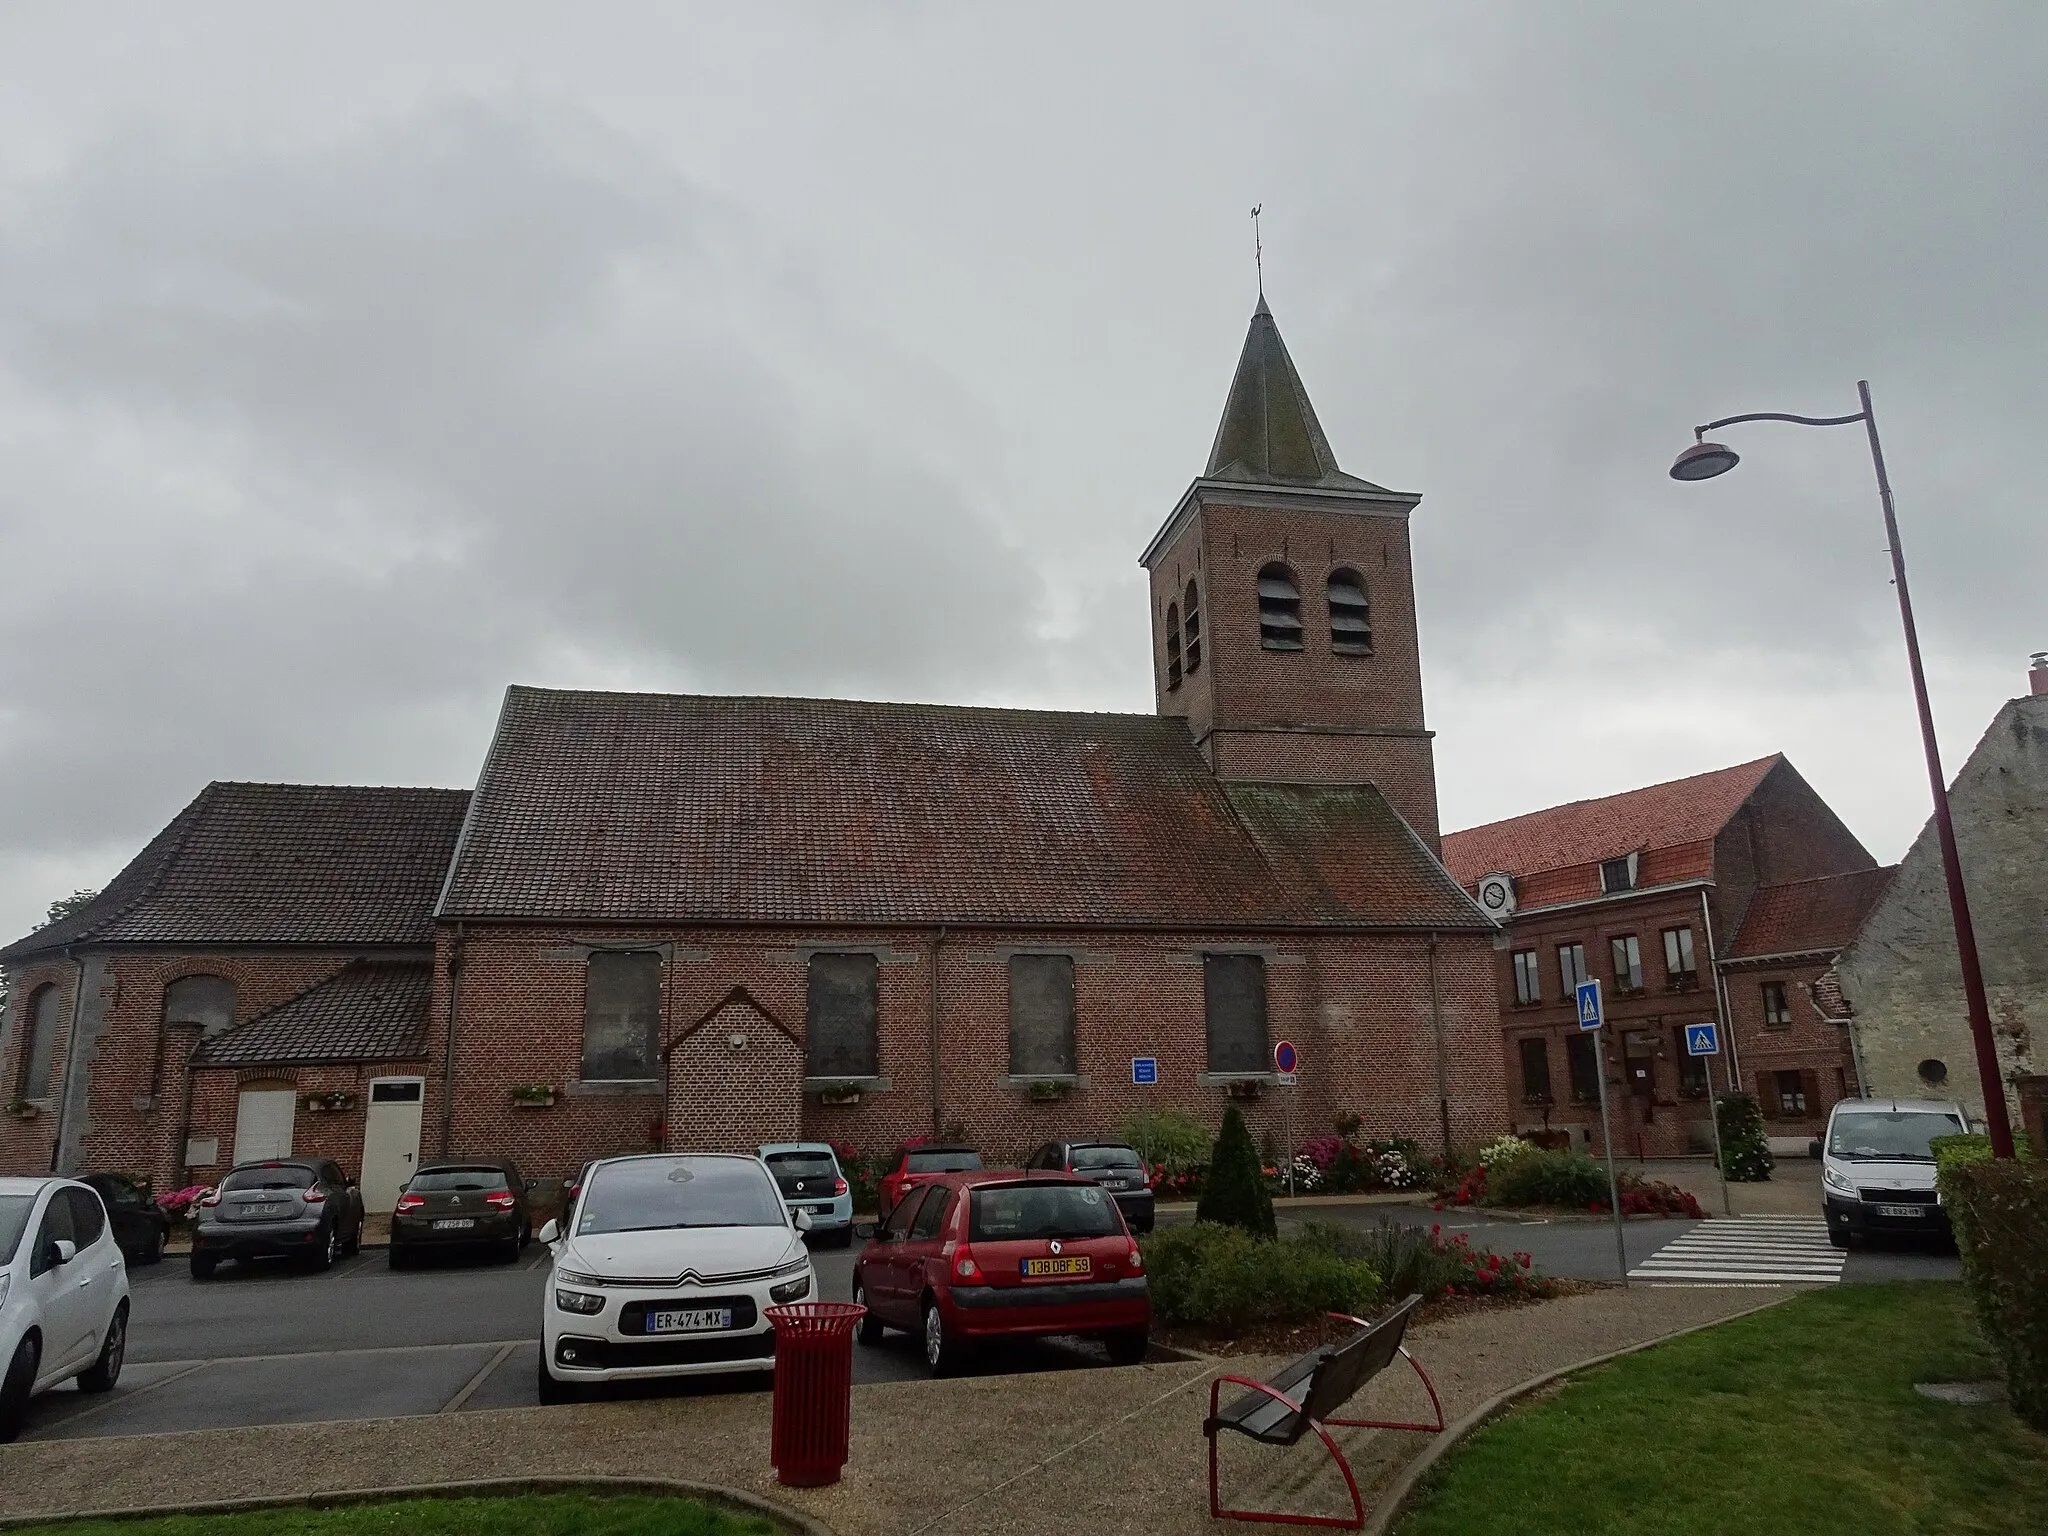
(808, 1174)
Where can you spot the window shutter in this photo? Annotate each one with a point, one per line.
(839, 1017)
(1234, 992)
(622, 1015)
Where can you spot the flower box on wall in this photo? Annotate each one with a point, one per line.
(839, 1096)
(22, 1109)
(1048, 1091)
(327, 1103)
(533, 1096)
(1245, 1090)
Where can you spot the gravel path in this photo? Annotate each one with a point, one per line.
(1090, 1451)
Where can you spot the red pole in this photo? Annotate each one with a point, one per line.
(1995, 1118)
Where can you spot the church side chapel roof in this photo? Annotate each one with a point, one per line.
(374, 1010)
(277, 864)
(1809, 916)
(827, 811)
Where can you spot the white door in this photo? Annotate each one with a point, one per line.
(391, 1139)
(263, 1122)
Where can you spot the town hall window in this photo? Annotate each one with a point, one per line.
(1041, 1015)
(1350, 620)
(1571, 967)
(40, 1046)
(1777, 1009)
(208, 1001)
(840, 1038)
(1172, 645)
(1628, 964)
(1279, 609)
(1234, 995)
(1194, 629)
(622, 1016)
(1528, 981)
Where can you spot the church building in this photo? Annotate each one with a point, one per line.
(707, 922)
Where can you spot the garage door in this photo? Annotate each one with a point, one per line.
(263, 1121)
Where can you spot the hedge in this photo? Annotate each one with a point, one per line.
(1999, 1212)
(1223, 1277)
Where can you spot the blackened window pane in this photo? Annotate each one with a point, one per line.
(1041, 1015)
(622, 1016)
(1585, 1068)
(839, 1017)
(1234, 990)
(1535, 1072)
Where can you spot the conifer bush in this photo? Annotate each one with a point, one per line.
(1235, 1194)
(1745, 1154)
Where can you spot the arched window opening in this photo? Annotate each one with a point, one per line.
(1172, 646)
(40, 1047)
(1194, 628)
(208, 1001)
(1350, 619)
(1279, 609)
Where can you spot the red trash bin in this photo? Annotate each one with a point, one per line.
(813, 1389)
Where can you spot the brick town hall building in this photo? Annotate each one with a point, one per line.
(707, 922)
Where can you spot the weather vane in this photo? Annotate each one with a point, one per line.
(1258, 251)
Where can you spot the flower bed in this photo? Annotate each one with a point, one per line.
(1512, 1172)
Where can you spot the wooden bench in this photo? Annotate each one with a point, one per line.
(1305, 1396)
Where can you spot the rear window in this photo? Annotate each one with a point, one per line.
(920, 1161)
(435, 1181)
(1016, 1211)
(802, 1165)
(275, 1176)
(14, 1211)
(1106, 1157)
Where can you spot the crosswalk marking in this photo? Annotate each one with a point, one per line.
(1748, 1250)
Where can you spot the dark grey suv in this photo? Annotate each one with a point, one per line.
(299, 1208)
(1116, 1167)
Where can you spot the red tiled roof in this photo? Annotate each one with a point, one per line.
(277, 864)
(375, 1010)
(1674, 815)
(612, 805)
(1809, 916)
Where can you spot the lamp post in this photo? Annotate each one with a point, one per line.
(1705, 460)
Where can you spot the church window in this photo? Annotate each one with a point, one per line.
(1172, 646)
(622, 1016)
(208, 1001)
(1234, 992)
(1350, 618)
(1041, 1015)
(40, 1046)
(840, 1017)
(1194, 629)
(1279, 609)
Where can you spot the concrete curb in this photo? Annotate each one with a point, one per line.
(1393, 1503)
(493, 1487)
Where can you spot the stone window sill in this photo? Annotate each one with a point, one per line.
(1024, 1083)
(624, 1087)
(1225, 1079)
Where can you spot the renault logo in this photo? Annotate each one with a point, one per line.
(1055, 1245)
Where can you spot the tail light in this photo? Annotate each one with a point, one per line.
(411, 1202)
(314, 1196)
(1137, 1259)
(965, 1270)
(503, 1200)
(839, 1186)
(212, 1199)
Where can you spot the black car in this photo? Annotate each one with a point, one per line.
(300, 1208)
(1116, 1167)
(471, 1202)
(141, 1226)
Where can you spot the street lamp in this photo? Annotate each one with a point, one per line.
(1705, 460)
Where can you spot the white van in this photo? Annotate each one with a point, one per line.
(1876, 1173)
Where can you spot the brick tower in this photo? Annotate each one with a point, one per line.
(1283, 605)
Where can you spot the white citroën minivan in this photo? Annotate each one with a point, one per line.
(1876, 1172)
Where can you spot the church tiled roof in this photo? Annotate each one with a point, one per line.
(821, 811)
(374, 1010)
(277, 864)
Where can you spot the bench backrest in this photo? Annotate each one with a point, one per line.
(1355, 1362)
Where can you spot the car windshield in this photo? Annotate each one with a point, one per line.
(1105, 1157)
(1014, 1211)
(14, 1211)
(1889, 1135)
(648, 1194)
(802, 1165)
(270, 1176)
(440, 1181)
(949, 1161)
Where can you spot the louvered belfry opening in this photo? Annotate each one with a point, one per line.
(1172, 645)
(1279, 609)
(1193, 621)
(1350, 618)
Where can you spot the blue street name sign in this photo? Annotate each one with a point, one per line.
(1144, 1069)
(1589, 1005)
(1702, 1040)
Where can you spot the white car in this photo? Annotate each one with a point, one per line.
(1876, 1171)
(63, 1293)
(665, 1266)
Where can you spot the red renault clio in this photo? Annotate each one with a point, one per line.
(979, 1255)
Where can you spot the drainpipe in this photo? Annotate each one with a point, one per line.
(1721, 1005)
(1443, 1067)
(938, 1097)
(70, 1060)
(448, 1072)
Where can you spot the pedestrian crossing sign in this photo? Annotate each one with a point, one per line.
(1589, 1005)
(1702, 1040)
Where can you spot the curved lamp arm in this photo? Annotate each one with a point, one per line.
(1699, 433)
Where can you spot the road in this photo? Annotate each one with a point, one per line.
(269, 1346)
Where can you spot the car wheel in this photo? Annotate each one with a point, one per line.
(1126, 1346)
(101, 1375)
(843, 1238)
(203, 1265)
(942, 1351)
(328, 1251)
(355, 1240)
(508, 1251)
(525, 1237)
(16, 1385)
(553, 1392)
(869, 1330)
(155, 1252)
(398, 1257)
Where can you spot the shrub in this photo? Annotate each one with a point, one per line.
(1505, 1149)
(1235, 1194)
(1745, 1154)
(1999, 1211)
(1224, 1277)
(1548, 1178)
(1411, 1261)
(1171, 1140)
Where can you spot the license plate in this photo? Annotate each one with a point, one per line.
(264, 1210)
(1036, 1268)
(451, 1223)
(1901, 1210)
(702, 1320)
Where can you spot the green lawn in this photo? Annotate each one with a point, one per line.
(1801, 1420)
(541, 1514)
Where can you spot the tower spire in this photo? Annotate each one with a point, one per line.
(1269, 433)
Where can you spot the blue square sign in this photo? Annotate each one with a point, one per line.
(1589, 1005)
(1702, 1040)
(1144, 1069)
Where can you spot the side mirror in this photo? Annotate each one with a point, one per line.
(864, 1230)
(532, 1185)
(66, 1249)
(550, 1231)
(803, 1221)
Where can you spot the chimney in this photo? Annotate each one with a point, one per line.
(2037, 675)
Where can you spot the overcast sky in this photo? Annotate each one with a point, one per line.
(355, 362)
